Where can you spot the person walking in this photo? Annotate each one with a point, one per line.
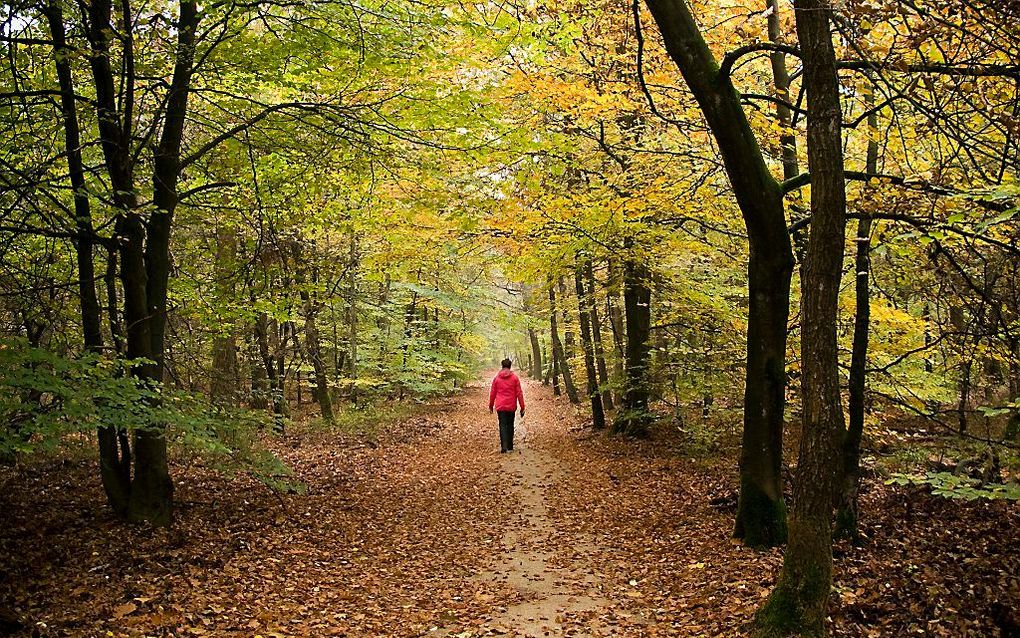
(504, 395)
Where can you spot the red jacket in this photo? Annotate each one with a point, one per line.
(506, 392)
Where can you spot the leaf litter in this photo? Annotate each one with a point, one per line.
(429, 531)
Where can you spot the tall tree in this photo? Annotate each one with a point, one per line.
(114, 447)
(797, 605)
(560, 364)
(633, 418)
(584, 301)
(847, 511)
(761, 511)
(144, 248)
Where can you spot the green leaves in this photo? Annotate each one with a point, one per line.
(950, 485)
(46, 399)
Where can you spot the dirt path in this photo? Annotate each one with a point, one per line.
(555, 596)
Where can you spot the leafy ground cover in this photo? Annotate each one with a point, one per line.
(423, 529)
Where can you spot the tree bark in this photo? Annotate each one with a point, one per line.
(797, 605)
(568, 334)
(114, 460)
(224, 387)
(584, 302)
(633, 418)
(847, 510)
(561, 367)
(536, 355)
(537, 370)
(613, 292)
(596, 336)
(761, 512)
(314, 350)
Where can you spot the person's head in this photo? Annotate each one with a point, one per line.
(506, 364)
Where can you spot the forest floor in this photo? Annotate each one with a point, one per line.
(426, 530)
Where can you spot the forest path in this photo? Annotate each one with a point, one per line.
(556, 594)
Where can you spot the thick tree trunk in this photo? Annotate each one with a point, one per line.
(797, 605)
(584, 302)
(152, 489)
(633, 418)
(761, 512)
(596, 336)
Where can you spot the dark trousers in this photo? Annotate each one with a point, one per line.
(506, 430)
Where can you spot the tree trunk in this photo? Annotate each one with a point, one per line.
(224, 387)
(268, 355)
(113, 316)
(409, 315)
(613, 291)
(584, 302)
(634, 418)
(797, 605)
(259, 396)
(144, 246)
(561, 367)
(352, 318)
(314, 350)
(568, 333)
(596, 337)
(1012, 432)
(536, 370)
(959, 323)
(536, 355)
(114, 460)
(761, 511)
(846, 510)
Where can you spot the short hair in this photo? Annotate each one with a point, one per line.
(506, 363)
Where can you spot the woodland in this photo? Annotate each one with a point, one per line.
(756, 262)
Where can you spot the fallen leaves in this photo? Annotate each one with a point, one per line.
(405, 538)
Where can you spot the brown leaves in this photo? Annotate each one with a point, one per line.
(433, 533)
